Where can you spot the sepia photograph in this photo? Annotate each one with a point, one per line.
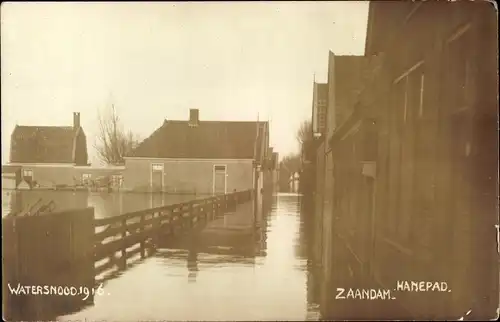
(250, 161)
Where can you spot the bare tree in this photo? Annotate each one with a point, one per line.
(113, 142)
(291, 162)
(304, 133)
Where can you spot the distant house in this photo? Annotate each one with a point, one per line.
(203, 157)
(47, 155)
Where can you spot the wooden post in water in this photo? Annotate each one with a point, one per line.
(141, 229)
(191, 215)
(212, 208)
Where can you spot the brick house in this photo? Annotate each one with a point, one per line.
(202, 157)
(47, 155)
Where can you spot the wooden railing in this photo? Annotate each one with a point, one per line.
(143, 228)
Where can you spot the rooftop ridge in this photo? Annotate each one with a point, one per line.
(47, 126)
(213, 121)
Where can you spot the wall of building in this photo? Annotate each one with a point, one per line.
(9, 181)
(95, 173)
(331, 122)
(428, 120)
(434, 100)
(52, 175)
(188, 176)
(428, 158)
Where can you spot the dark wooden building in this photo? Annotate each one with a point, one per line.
(416, 191)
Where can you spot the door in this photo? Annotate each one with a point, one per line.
(157, 177)
(219, 179)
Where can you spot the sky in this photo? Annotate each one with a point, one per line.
(232, 61)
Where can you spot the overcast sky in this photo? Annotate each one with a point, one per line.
(232, 61)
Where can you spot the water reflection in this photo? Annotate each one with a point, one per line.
(105, 204)
(231, 269)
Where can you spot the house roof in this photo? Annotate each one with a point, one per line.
(10, 169)
(42, 144)
(207, 140)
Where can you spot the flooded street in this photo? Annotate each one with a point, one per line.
(220, 273)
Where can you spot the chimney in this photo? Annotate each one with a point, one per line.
(76, 120)
(194, 117)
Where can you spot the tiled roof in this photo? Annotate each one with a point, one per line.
(351, 73)
(207, 140)
(42, 144)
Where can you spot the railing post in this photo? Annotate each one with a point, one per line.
(217, 206)
(156, 228)
(191, 215)
(207, 209)
(141, 231)
(171, 223)
(124, 247)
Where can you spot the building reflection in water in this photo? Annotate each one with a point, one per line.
(257, 262)
(307, 240)
(192, 260)
(237, 237)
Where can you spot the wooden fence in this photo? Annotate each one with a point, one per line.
(60, 250)
(49, 252)
(138, 232)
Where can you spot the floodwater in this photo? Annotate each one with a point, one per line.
(234, 269)
(105, 204)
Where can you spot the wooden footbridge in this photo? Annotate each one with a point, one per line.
(72, 249)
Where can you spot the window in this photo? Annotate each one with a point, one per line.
(157, 167)
(220, 168)
(117, 180)
(86, 178)
(28, 175)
